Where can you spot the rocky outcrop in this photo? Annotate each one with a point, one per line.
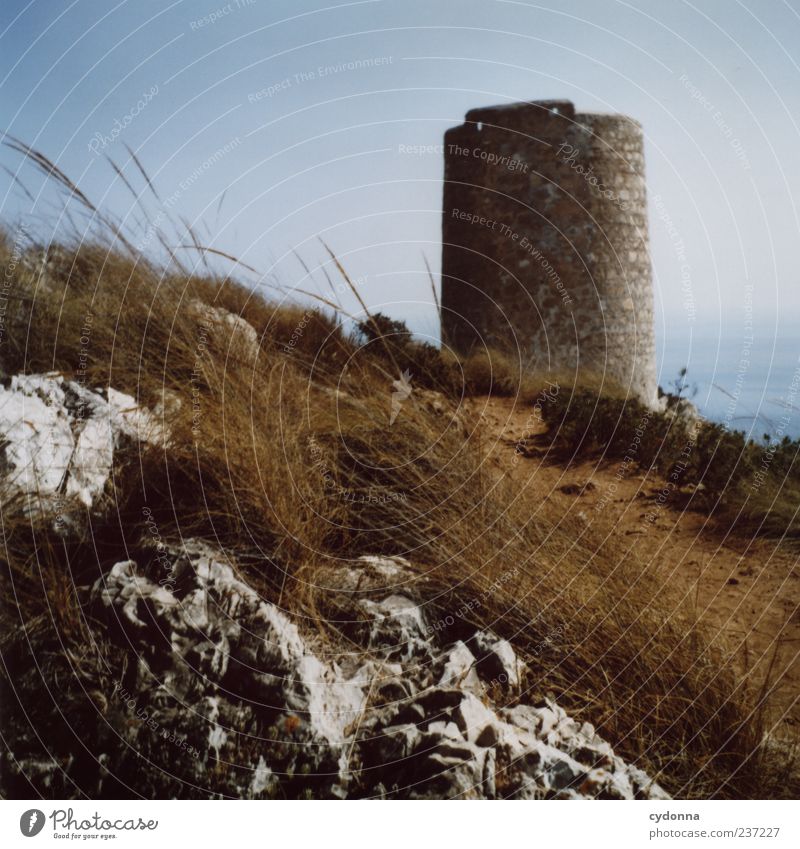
(211, 690)
(240, 334)
(58, 439)
(221, 694)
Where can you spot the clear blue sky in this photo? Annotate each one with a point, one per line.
(311, 152)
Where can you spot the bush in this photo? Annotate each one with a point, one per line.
(585, 423)
(725, 472)
(391, 342)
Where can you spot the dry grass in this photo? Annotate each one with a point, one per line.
(285, 454)
(505, 373)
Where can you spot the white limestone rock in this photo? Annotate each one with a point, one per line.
(398, 626)
(399, 722)
(59, 440)
(240, 334)
(496, 662)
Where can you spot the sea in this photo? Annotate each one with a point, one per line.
(748, 382)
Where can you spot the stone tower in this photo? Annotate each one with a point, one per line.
(545, 246)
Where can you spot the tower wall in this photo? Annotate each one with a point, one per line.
(545, 244)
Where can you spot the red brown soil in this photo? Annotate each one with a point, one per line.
(746, 590)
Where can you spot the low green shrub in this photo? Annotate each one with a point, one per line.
(755, 482)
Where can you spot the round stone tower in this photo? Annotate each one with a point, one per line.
(545, 246)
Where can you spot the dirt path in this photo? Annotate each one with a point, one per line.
(746, 590)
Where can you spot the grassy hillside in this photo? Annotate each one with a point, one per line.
(283, 447)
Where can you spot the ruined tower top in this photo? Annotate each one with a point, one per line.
(545, 246)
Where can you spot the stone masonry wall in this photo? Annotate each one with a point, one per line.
(545, 246)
